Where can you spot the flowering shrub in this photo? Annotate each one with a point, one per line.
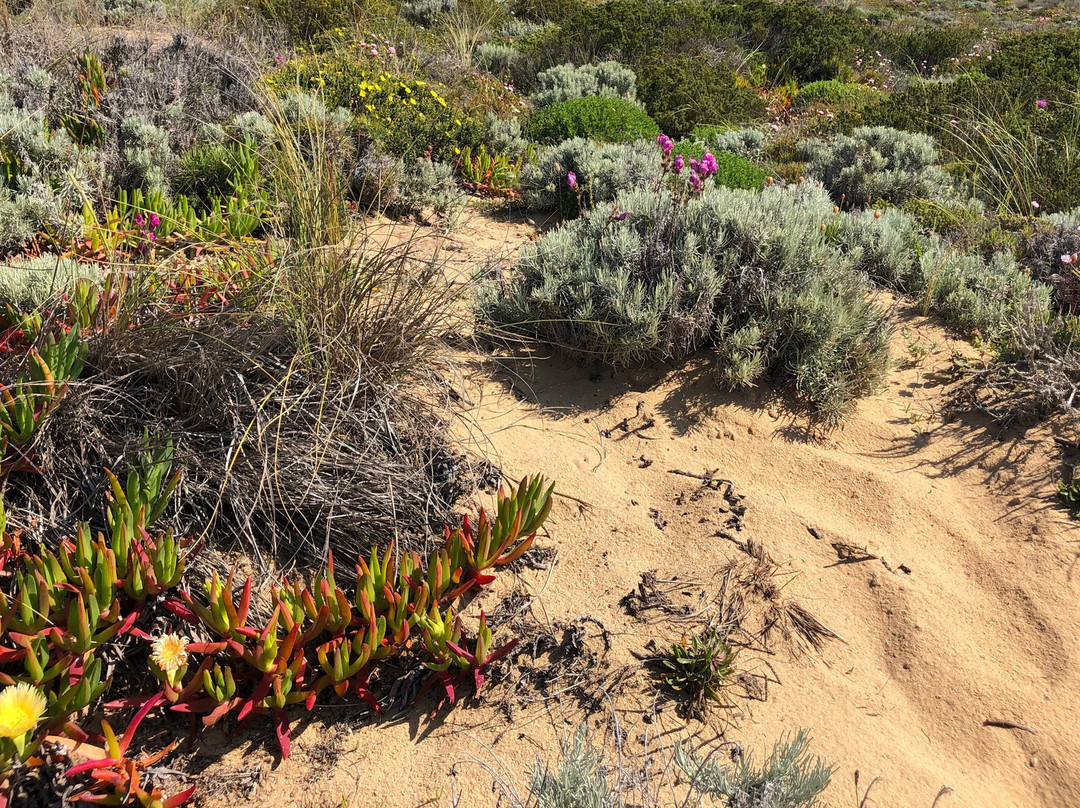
(662, 271)
(406, 116)
(608, 120)
(563, 82)
(601, 171)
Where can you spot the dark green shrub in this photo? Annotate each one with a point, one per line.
(1044, 64)
(738, 172)
(685, 91)
(608, 120)
(928, 46)
(832, 91)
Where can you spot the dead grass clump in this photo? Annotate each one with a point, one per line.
(310, 415)
(752, 597)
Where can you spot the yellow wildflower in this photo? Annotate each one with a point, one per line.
(21, 706)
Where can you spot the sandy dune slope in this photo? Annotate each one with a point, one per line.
(967, 611)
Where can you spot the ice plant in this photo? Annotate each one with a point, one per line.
(21, 707)
(170, 654)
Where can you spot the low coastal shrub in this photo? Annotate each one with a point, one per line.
(608, 120)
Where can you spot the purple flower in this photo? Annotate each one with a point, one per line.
(665, 143)
(623, 216)
(154, 220)
(139, 220)
(1042, 103)
(571, 179)
(695, 183)
(678, 164)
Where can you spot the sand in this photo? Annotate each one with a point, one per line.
(967, 612)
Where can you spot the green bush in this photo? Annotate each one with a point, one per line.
(304, 19)
(738, 172)
(603, 170)
(831, 91)
(563, 82)
(1045, 63)
(928, 46)
(608, 120)
(685, 91)
(876, 163)
(678, 274)
(213, 171)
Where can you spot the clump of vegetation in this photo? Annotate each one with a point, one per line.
(876, 163)
(563, 82)
(582, 776)
(789, 778)
(659, 273)
(608, 120)
(699, 668)
(686, 91)
(600, 170)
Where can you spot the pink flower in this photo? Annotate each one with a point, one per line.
(1034, 204)
(678, 164)
(775, 128)
(1042, 103)
(1066, 259)
(665, 143)
(571, 180)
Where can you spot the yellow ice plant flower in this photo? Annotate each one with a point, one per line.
(169, 652)
(21, 706)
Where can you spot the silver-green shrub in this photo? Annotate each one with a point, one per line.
(748, 143)
(144, 155)
(426, 12)
(566, 81)
(676, 274)
(430, 185)
(789, 778)
(577, 780)
(974, 294)
(496, 57)
(603, 170)
(27, 283)
(876, 163)
(504, 135)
